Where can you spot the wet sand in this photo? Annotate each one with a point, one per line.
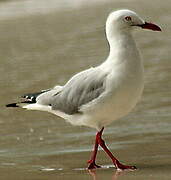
(152, 163)
(39, 50)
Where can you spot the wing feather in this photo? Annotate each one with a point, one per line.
(80, 90)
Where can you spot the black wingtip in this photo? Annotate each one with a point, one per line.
(12, 105)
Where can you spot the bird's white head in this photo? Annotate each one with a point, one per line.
(126, 20)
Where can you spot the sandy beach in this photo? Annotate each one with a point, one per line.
(36, 43)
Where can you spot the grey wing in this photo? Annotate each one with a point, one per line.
(46, 98)
(81, 89)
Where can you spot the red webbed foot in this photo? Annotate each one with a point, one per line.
(121, 167)
(93, 165)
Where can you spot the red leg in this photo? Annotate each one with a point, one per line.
(92, 164)
(117, 164)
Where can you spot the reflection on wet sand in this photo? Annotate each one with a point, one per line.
(36, 49)
(114, 176)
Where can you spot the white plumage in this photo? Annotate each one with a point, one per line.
(97, 96)
(121, 77)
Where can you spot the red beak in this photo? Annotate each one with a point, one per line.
(151, 26)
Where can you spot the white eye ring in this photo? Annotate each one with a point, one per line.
(128, 18)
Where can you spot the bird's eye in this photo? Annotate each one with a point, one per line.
(128, 18)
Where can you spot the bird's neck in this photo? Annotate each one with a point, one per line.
(122, 47)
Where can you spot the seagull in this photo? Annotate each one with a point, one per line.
(99, 95)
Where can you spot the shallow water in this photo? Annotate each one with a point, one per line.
(44, 45)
